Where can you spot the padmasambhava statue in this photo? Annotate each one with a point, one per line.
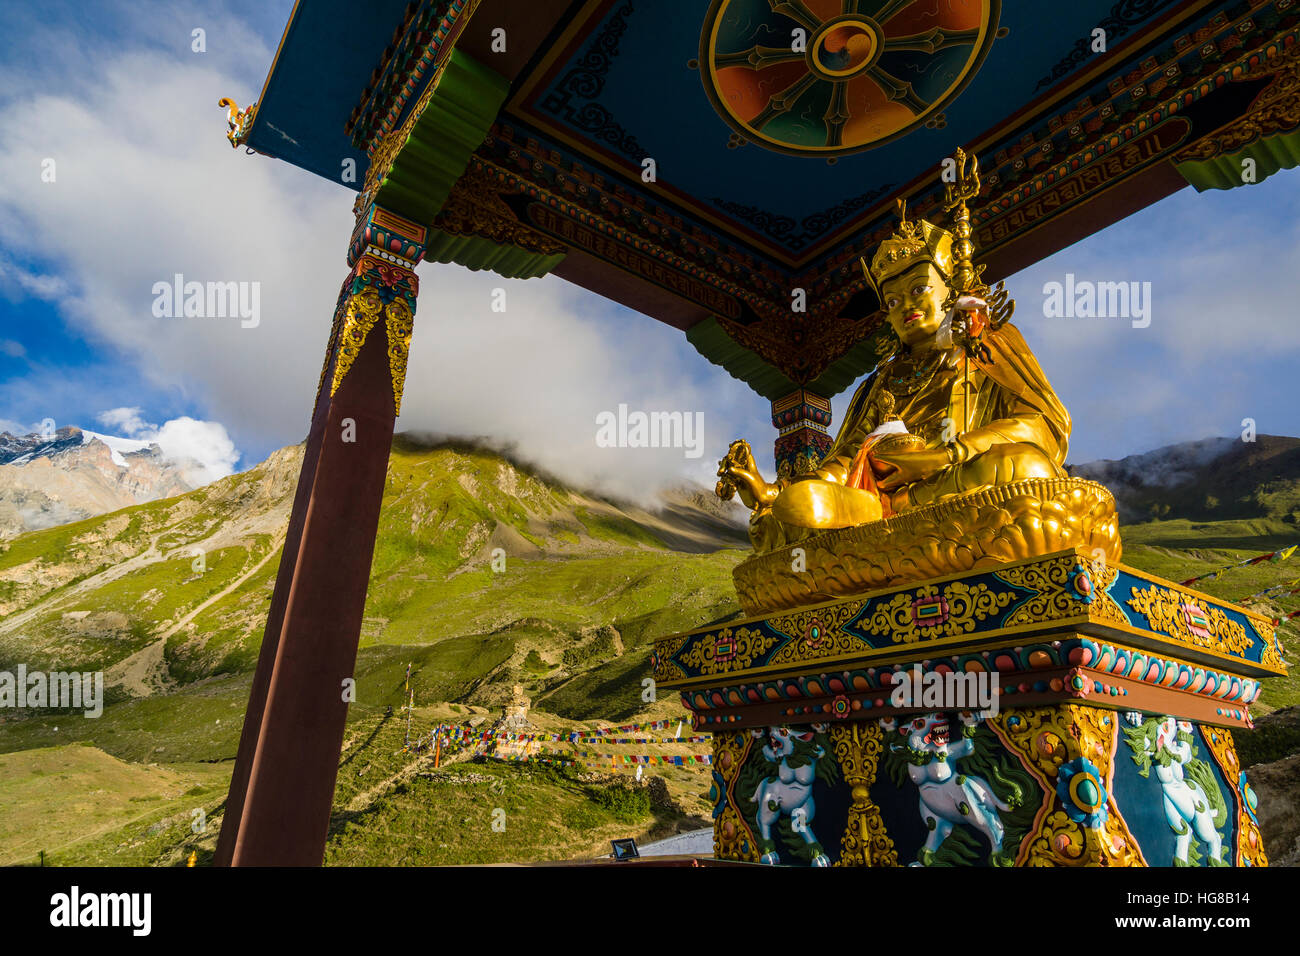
(959, 408)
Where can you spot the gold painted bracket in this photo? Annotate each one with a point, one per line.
(239, 121)
(361, 313)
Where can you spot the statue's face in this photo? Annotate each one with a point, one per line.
(913, 302)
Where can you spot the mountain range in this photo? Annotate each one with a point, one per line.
(1208, 480)
(69, 474)
(174, 590)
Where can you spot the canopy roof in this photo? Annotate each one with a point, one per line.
(684, 159)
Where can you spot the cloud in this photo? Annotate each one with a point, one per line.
(16, 281)
(204, 451)
(135, 203)
(127, 421)
(538, 374)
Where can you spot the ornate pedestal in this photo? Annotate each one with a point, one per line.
(846, 732)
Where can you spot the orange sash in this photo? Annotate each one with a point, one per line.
(861, 476)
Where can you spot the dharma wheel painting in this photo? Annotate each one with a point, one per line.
(822, 77)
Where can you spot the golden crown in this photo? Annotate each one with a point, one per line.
(913, 242)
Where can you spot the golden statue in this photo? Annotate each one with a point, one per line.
(961, 406)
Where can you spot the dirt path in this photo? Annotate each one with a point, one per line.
(145, 671)
(276, 542)
(14, 621)
(367, 797)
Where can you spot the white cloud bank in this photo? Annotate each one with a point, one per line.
(204, 451)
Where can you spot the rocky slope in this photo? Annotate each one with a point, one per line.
(49, 480)
(1276, 781)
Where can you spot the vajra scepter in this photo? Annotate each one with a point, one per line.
(970, 320)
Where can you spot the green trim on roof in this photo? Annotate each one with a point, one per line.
(711, 341)
(1280, 151)
(437, 151)
(853, 365)
(473, 252)
(721, 349)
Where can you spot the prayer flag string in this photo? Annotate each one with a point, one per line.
(1280, 555)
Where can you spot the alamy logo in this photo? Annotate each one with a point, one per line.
(53, 689)
(1085, 299)
(75, 908)
(947, 691)
(208, 300)
(626, 429)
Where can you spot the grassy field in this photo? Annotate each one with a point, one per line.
(85, 807)
(1181, 549)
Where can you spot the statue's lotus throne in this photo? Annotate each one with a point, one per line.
(982, 529)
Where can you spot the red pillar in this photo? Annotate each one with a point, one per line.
(278, 809)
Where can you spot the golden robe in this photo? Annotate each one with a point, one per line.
(1015, 425)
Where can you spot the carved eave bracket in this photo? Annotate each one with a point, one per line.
(362, 312)
(802, 348)
(1275, 113)
(239, 121)
(476, 207)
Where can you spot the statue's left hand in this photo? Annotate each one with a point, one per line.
(898, 468)
(970, 317)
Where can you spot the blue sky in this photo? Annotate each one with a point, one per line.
(147, 186)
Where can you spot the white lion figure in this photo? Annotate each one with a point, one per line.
(947, 796)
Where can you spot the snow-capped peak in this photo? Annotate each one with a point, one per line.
(117, 446)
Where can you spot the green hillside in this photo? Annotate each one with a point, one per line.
(585, 581)
(587, 584)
